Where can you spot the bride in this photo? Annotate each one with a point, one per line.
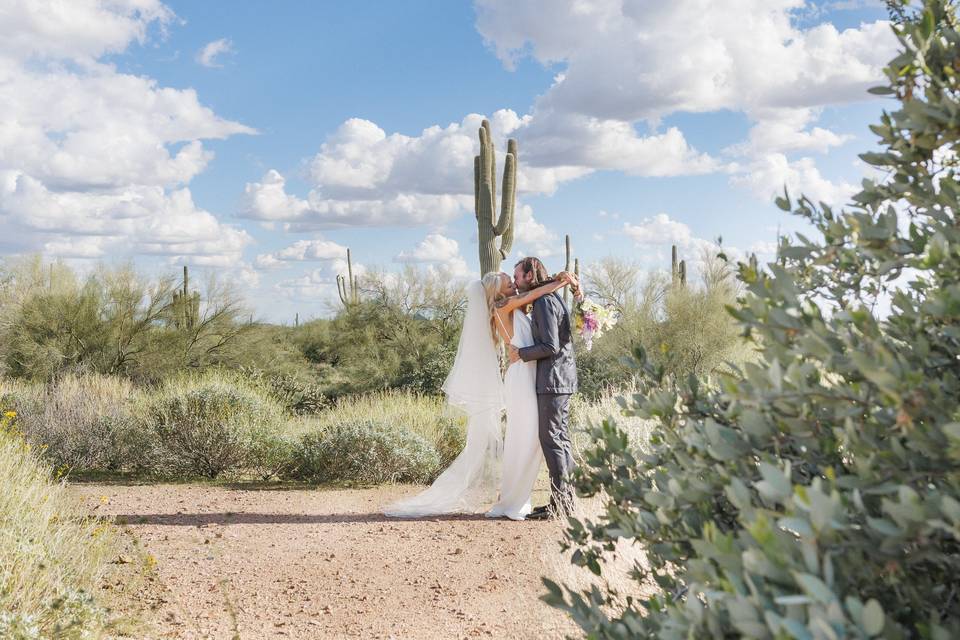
(475, 387)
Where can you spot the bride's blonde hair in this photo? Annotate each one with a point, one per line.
(491, 289)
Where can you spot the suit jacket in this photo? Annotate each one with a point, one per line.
(552, 346)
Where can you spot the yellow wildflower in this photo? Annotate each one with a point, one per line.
(10, 414)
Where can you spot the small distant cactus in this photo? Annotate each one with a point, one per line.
(678, 270)
(566, 290)
(489, 224)
(347, 287)
(186, 305)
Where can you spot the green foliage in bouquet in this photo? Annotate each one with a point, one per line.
(815, 494)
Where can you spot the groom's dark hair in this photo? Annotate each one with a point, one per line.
(540, 275)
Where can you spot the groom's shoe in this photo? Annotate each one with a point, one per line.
(545, 512)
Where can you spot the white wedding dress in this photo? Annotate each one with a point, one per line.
(521, 446)
(474, 387)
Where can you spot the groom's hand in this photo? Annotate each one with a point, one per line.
(514, 354)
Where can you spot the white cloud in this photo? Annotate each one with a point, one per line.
(532, 237)
(786, 129)
(363, 176)
(94, 162)
(439, 251)
(318, 285)
(317, 249)
(269, 201)
(654, 237)
(659, 230)
(209, 54)
(631, 60)
(80, 30)
(767, 176)
(434, 248)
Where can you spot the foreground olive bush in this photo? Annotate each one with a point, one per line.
(816, 494)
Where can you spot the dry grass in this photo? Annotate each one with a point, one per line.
(83, 421)
(51, 553)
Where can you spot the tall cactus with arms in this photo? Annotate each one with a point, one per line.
(489, 224)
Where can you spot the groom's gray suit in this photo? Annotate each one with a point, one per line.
(552, 348)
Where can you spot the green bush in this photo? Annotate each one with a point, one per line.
(212, 424)
(685, 329)
(402, 334)
(424, 415)
(364, 452)
(815, 494)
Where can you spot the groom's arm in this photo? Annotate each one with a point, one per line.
(545, 317)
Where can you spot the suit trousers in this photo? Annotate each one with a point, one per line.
(554, 409)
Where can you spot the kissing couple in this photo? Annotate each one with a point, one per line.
(535, 392)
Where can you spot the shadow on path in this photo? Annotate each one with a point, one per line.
(202, 519)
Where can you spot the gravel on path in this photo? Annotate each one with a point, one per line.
(324, 563)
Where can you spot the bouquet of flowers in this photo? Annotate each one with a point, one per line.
(592, 320)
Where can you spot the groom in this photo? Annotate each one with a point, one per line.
(552, 348)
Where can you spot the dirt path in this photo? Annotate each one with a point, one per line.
(287, 563)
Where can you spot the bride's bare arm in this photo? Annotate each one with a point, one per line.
(522, 300)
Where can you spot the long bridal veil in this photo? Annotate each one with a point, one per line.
(474, 387)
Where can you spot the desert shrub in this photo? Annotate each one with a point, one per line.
(297, 393)
(270, 454)
(112, 321)
(21, 396)
(52, 555)
(211, 424)
(364, 452)
(401, 334)
(816, 493)
(82, 422)
(685, 329)
(424, 415)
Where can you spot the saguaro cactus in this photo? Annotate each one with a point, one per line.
(489, 225)
(186, 305)
(348, 287)
(566, 290)
(678, 271)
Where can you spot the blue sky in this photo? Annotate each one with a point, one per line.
(640, 125)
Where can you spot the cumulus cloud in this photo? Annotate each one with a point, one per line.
(659, 230)
(207, 56)
(317, 249)
(632, 60)
(318, 284)
(787, 129)
(439, 252)
(532, 237)
(363, 176)
(79, 31)
(94, 162)
(767, 176)
(654, 237)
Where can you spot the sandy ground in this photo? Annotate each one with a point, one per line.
(323, 563)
